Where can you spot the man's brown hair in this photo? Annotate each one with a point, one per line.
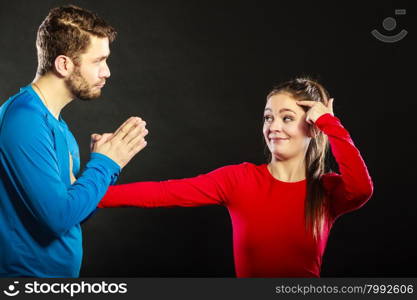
(66, 30)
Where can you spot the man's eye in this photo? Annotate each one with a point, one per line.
(99, 60)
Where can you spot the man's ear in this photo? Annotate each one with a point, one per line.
(64, 65)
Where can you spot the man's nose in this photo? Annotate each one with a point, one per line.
(105, 71)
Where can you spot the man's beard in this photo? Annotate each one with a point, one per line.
(80, 88)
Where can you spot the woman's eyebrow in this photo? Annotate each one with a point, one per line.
(287, 109)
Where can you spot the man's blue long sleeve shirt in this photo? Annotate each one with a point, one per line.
(40, 211)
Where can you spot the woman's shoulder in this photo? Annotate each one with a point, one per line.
(239, 176)
(241, 169)
(246, 166)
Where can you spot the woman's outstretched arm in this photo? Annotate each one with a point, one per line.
(208, 189)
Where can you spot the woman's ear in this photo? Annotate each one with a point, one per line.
(312, 131)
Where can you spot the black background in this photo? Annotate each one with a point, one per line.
(198, 73)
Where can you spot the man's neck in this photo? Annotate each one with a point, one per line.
(53, 92)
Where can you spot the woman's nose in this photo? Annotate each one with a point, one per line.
(276, 125)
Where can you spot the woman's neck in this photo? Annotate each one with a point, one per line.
(290, 170)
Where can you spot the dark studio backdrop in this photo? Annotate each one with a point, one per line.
(198, 73)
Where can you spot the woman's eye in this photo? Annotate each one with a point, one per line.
(267, 118)
(288, 118)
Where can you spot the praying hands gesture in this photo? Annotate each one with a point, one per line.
(124, 143)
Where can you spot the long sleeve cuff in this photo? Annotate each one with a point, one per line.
(105, 165)
(328, 120)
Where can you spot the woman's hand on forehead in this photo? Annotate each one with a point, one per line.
(316, 109)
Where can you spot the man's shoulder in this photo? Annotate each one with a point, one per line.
(21, 115)
(21, 104)
(22, 108)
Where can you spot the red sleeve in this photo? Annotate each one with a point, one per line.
(208, 189)
(353, 187)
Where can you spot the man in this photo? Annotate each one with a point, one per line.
(41, 202)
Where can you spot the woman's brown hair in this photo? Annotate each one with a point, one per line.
(315, 206)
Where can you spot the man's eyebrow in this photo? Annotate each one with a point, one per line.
(102, 57)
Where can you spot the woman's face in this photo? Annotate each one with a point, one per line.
(285, 129)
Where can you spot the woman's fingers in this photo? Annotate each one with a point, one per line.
(330, 105)
(306, 103)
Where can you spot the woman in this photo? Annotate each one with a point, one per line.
(282, 211)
